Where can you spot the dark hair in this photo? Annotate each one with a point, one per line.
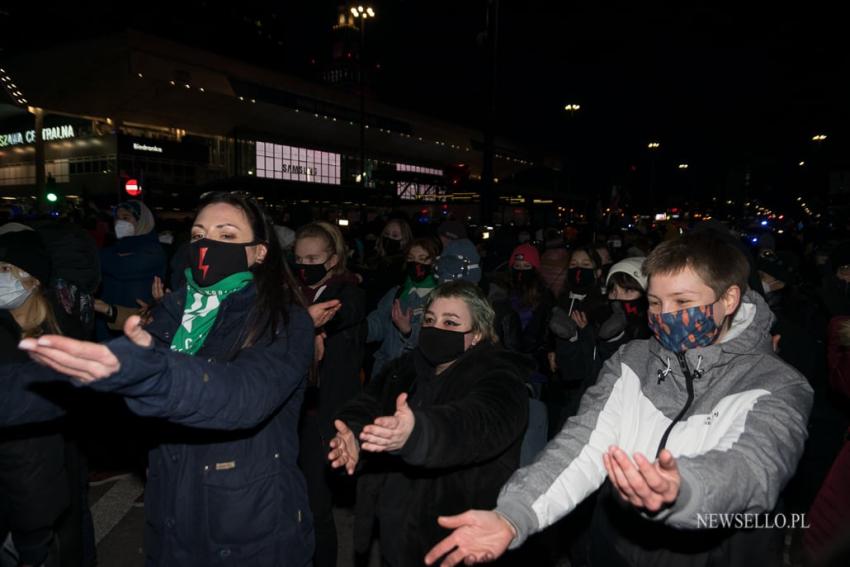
(429, 245)
(277, 290)
(625, 281)
(716, 261)
(531, 289)
(590, 250)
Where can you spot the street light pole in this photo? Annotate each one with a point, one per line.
(653, 149)
(487, 199)
(361, 88)
(363, 13)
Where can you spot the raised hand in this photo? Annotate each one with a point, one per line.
(323, 312)
(649, 486)
(86, 361)
(402, 319)
(345, 451)
(158, 290)
(389, 433)
(580, 318)
(478, 537)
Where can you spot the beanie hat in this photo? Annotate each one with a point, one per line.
(632, 267)
(25, 250)
(458, 261)
(525, 252)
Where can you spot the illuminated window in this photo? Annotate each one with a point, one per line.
(418, 191)
(289, 163)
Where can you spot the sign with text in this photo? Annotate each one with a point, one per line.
(48, 134)
(277, 161)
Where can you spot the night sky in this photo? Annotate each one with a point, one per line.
(724, 88)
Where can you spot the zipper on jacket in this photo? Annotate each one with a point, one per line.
(689, 385)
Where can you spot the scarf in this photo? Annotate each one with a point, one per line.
(409, 286)
(202, 304)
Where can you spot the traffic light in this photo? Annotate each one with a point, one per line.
(51, 194)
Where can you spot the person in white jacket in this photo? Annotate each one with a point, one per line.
(698, 427)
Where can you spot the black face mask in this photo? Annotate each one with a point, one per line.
(439, 346)
(581, 278)
(310, 274)
(418, 272)
(521, 276)
(391, 247)
(634, 309)
(212, 260)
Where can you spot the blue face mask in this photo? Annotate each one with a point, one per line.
(685, 329)
(13, 294)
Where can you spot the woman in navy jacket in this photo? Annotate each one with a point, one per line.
(223, 364)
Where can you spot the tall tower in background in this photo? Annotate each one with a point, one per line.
(343, 68)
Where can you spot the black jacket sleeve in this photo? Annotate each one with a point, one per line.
(482, 424)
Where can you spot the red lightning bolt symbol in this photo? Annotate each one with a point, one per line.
(201, 265)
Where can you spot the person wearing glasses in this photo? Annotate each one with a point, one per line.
(222, 365)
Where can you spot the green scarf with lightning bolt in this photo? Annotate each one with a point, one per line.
(201, 309)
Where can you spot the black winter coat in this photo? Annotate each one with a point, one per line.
(33, 486)
(470, 422)
(223, 486)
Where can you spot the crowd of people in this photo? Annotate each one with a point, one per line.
(592, 396)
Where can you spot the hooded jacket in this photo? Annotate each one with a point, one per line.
(737, 442)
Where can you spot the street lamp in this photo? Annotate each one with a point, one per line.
(363, 13)
(572, 107)
(653, 145)
(819, 137)
(683, 166)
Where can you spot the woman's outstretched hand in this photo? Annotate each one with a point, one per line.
(86, 361)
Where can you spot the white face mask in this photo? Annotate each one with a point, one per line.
(124, 229)
(166, 238)
(13, 294)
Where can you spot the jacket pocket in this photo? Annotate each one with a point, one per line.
(242, 501)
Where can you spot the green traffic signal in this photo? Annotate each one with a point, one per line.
(52, 197)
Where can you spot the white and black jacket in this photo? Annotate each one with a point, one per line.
(733, 415)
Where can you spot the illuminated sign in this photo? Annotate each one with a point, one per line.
(290, 163)
(146, 148)
(48, 134)
(133, 188)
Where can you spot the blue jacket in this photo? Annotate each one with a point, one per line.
(223, 484)
(382, 328)
(128, 268)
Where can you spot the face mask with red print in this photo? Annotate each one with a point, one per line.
(213, 260)
(678, 331)
(417, 272)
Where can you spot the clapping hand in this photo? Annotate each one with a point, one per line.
(389, 433)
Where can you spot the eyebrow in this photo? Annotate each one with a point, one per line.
(198, 225)
(678, 293)
(444, 314)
